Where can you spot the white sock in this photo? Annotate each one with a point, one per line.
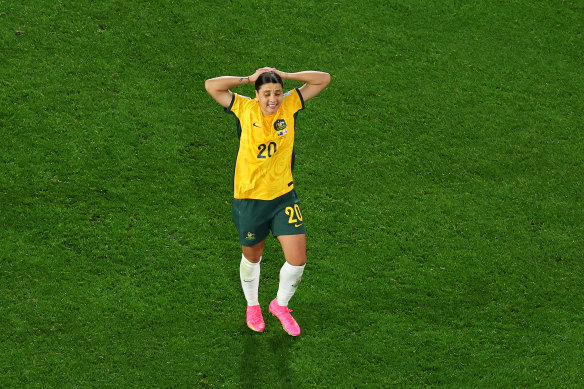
(290, 277)
(249, 274)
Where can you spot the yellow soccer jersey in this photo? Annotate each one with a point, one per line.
(265, 159)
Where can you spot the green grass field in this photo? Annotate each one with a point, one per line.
(441, 177)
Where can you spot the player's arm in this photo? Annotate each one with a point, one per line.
(314, 82)
(219, 87)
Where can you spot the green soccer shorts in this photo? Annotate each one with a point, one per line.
(255, 219)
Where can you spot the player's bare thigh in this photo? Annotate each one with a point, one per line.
(294, 247)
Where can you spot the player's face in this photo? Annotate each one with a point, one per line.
(270, 98)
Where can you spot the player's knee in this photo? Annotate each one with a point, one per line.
(253, 258)
(253, 253)
(299, 260)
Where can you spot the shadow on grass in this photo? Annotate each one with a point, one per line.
(266, 359)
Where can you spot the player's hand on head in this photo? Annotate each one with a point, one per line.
(279, 73)
(255, 76)
(259, 71)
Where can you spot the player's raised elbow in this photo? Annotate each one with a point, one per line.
(208, 86)
(324, 79)
(212, 88)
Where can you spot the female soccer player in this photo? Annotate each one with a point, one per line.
(264, 195)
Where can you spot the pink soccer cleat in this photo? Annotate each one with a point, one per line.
(255, 320)
(283, 313)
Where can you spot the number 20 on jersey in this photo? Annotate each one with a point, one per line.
(269, 149)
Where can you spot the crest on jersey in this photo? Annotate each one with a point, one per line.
(280, 127)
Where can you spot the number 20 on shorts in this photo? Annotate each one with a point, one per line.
(294, 214)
